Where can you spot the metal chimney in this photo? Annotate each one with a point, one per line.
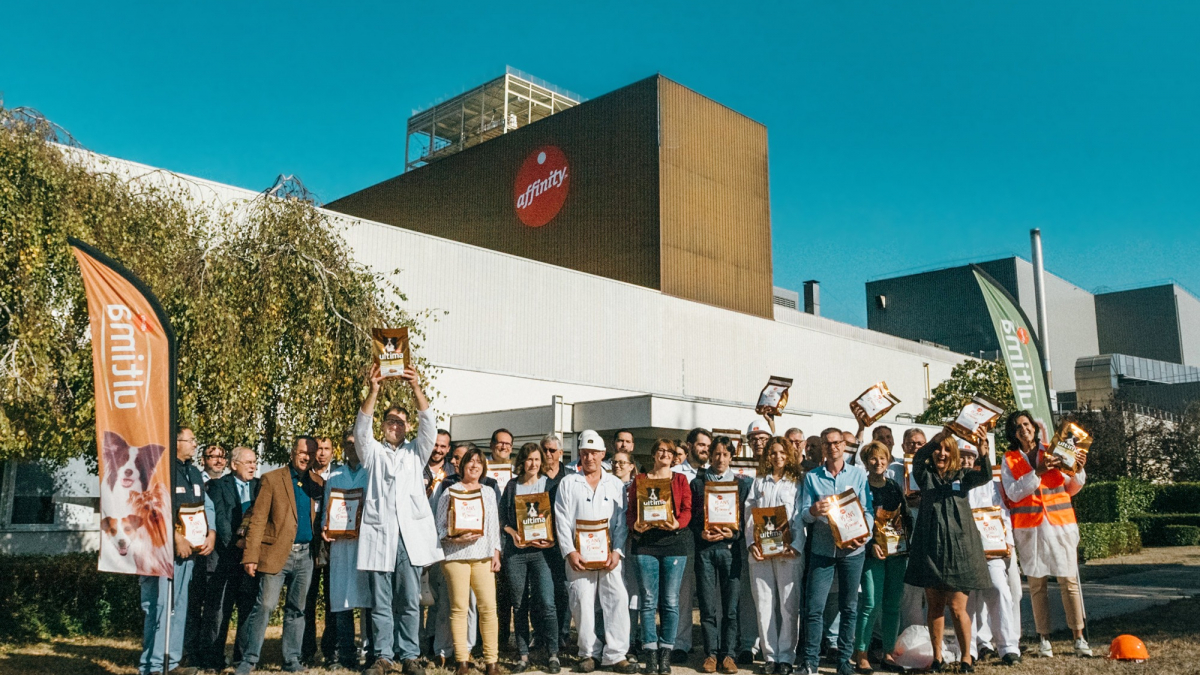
(1039, 292)
(812, 297)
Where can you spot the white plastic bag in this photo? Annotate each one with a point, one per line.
(913, 649)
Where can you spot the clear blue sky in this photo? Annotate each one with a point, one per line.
(903, 135)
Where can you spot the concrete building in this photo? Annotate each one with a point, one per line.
(1141, 345)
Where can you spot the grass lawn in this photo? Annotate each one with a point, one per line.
(1171, 633)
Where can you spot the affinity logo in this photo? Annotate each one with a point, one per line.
(541, 186)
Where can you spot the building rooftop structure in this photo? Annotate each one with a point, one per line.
(488, 111)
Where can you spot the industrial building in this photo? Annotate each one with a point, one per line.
(1140, 345)
(607, 266)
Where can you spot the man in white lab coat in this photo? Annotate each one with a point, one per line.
(395, 496)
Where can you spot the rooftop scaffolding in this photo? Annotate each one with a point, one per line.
(504, 104)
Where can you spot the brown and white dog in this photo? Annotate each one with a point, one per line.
(131, 509)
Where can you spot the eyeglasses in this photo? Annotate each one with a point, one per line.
(621, 462)
(395, 421)
(215, 455)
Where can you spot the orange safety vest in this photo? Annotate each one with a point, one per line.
(1050, 500)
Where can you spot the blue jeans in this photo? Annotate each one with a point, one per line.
(660, 578)
(297, 574)
(529, 568)
(718, 585)
(396, 610)
(820, 581)
(154, 606)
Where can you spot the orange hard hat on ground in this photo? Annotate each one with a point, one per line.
(1127, 648)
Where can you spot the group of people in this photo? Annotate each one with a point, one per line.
(453, 546)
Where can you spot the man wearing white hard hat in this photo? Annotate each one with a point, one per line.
(595, 495)
(995, 618)
(757, 435)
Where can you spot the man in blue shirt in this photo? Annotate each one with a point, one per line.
(832, 478)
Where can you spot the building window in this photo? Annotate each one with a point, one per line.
(33, 494)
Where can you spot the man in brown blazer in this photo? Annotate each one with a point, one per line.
(279, 550)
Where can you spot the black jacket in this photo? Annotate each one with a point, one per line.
(228, 506)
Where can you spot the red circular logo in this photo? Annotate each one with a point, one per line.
(541, 186)
(1023, 336)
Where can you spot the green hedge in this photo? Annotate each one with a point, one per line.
(1176, 498)
(1152, 526)
(1104, 540)
(1113, 502)
(1181, 535)
(44, 596)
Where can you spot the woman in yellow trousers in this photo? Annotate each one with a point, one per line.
(472, 559)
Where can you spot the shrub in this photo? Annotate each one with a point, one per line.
(1104, 540)
(1176, 498)
(1181, 535)
(49, 595)
(1151, 525)
(1113, 502)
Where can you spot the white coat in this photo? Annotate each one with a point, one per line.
(348, 587)
(396, 496)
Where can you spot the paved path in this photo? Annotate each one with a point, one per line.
(1168, 575)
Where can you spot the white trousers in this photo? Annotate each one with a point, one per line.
(993, 621)
(1015, 591)
(687, 597)
(776, 584)
(609, 586)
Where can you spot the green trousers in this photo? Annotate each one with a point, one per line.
(882, 588)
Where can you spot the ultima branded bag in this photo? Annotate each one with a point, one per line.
(391, 350)
(655, 503)
(771, 530)
(534, 519)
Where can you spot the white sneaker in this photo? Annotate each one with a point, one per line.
(1082, 650)
(1045, 650)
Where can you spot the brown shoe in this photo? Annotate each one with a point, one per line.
(380, 667)
(491, 669)
(464, 668)
(729, 666)
(709, 665)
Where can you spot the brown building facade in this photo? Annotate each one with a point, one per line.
(651, 184)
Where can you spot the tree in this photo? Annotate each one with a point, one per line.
(271, 313)
(966, 380)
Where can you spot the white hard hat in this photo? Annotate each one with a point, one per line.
(758, 426)
(966, 448)
(590, 440)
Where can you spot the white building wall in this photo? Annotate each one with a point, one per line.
(1072, 315)
(511, 332)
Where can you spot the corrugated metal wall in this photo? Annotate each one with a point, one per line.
(509, 316)
(609, 222)
(716, 210)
